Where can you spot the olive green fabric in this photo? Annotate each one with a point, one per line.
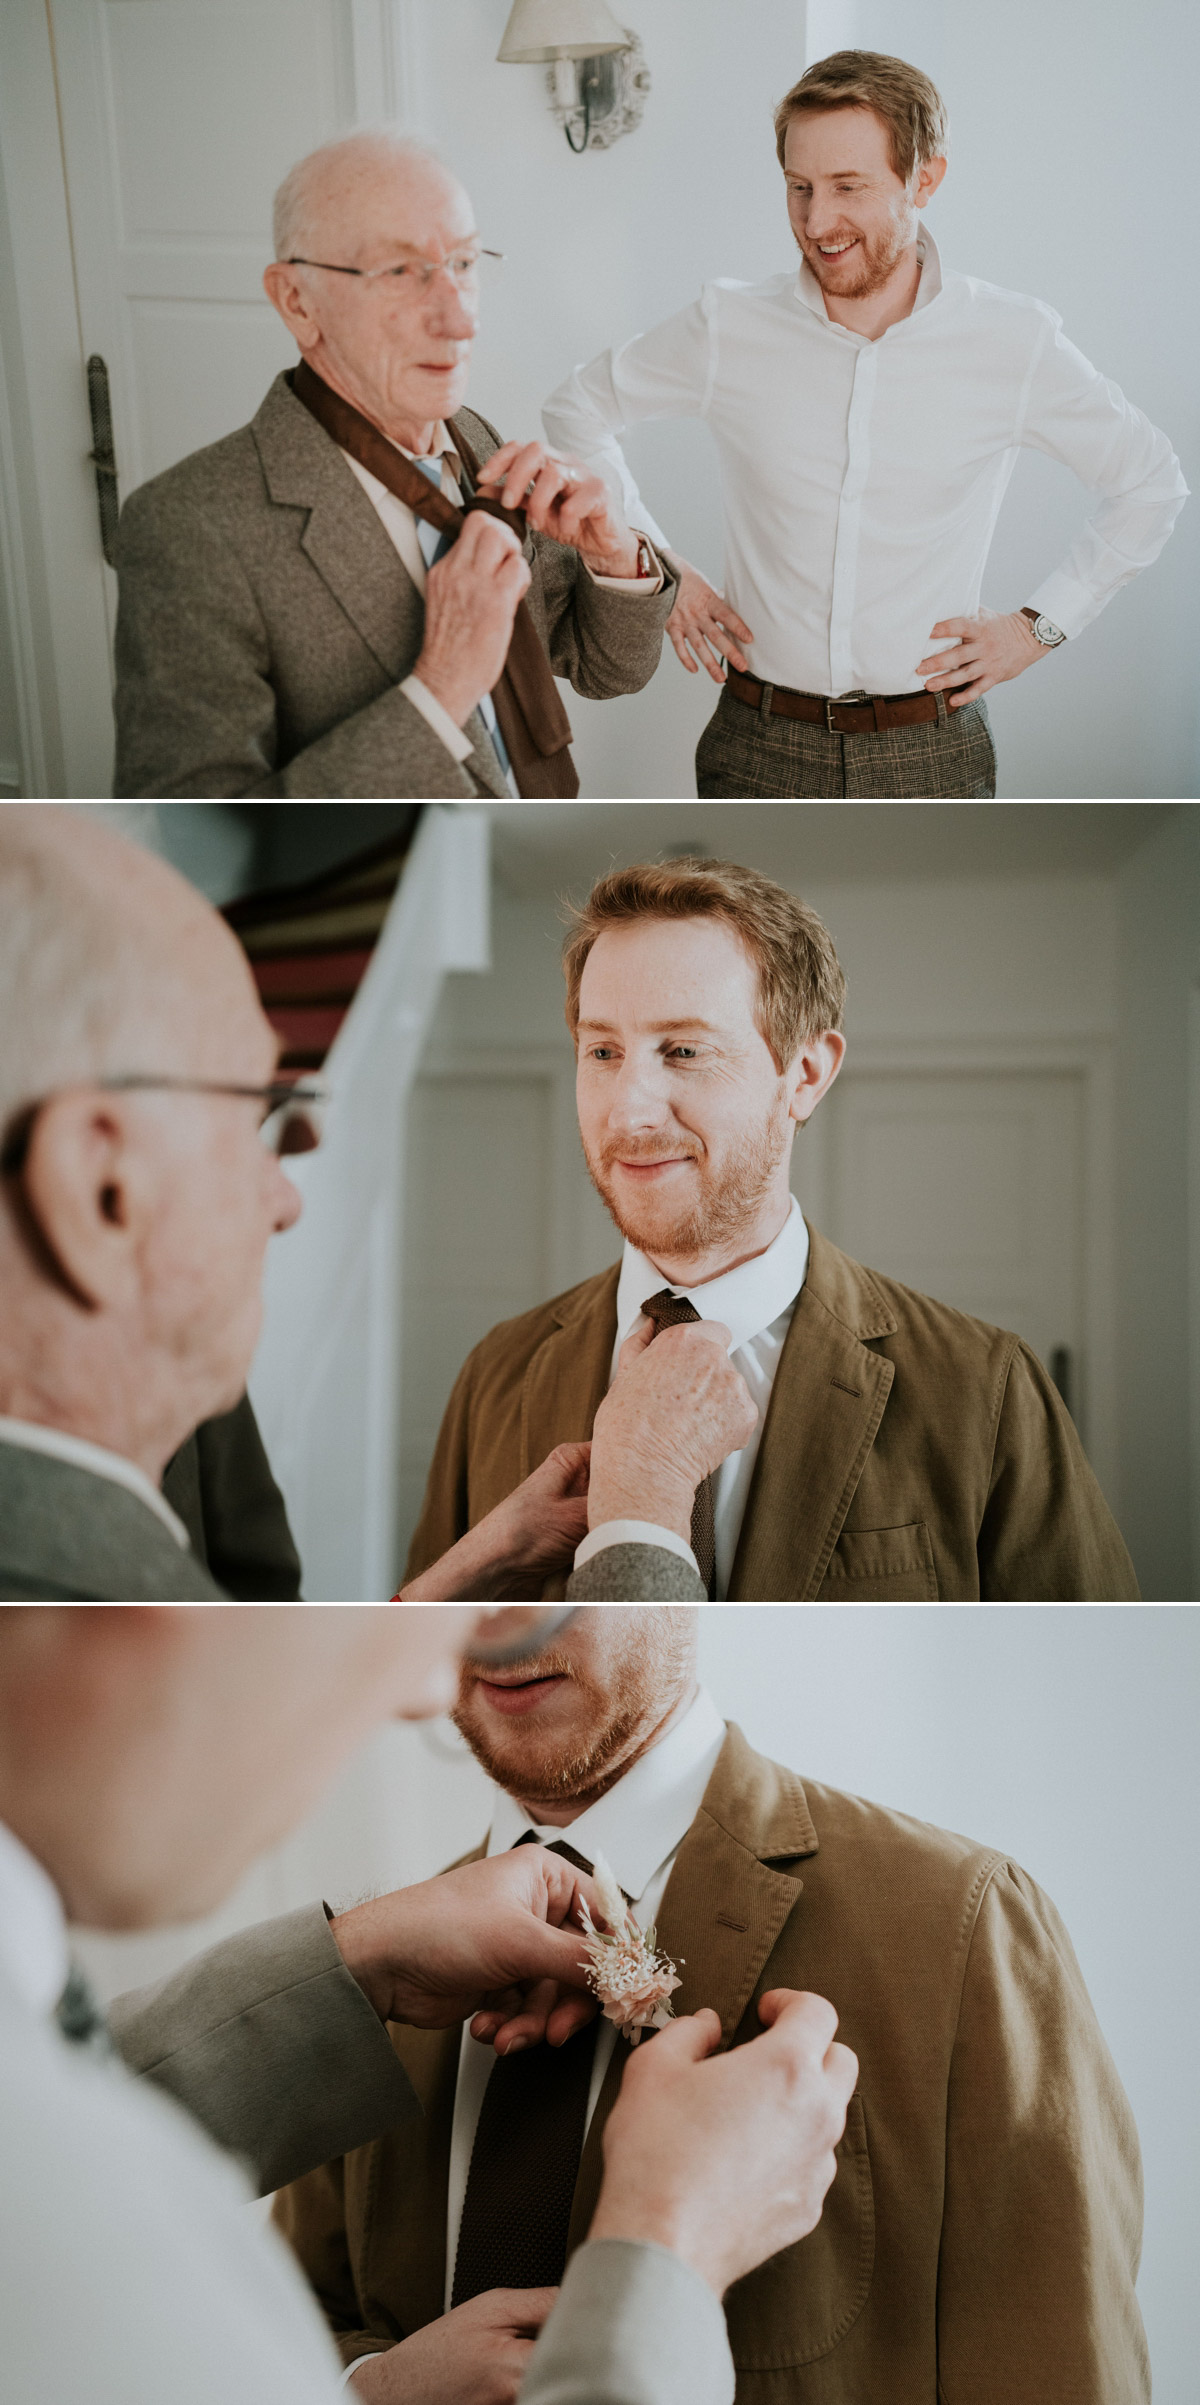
(266, 622)
(70, 1536)
(628, 1573)
(980, 2242)
(910, 1454)
(271, 2044)
(220, 1484)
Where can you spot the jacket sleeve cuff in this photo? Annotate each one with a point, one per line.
(633, 2325)
(435, 716)
(633, 1532)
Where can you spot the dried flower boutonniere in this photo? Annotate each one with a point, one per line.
(633, 1983)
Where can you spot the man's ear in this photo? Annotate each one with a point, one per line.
(813, 1071)
(929, 177)
(87, 1191)
(287, 294)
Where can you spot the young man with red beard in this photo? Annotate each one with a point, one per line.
(980, 2239)
(868, 408)
(902, 1451)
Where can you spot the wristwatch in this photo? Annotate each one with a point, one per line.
(1045, 631)
(647, 565)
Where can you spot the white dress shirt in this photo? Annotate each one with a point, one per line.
(401, 525)
(639, 1827)
(103, 1464)
(862, 479)
(756, 1302)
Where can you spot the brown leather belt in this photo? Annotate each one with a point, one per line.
(872, 715)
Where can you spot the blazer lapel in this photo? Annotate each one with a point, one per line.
(723, 1911)
(826, 1405)
(414, 2272)
(343, 535)
(567, 1379)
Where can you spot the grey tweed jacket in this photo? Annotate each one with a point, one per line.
(266, 621)
(67, 1536)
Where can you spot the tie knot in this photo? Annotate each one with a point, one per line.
(560, 1846)
(669, 1310)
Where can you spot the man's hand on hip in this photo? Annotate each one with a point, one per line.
(702, 624)
(987, 650)
(525, 1540)
(493, 1939)
(725, 2161)
(562, 498)
(476, 2355)
(675, 1409)
(471, 599)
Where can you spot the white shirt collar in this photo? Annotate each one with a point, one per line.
(96, 1458)
(928, 287)
(33, 1931)
(747, 1298)
(642, 1820)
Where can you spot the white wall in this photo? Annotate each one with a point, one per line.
(1158, 1112)
(1064, 1736)
(1072, 141)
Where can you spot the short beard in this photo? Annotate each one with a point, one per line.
(878, 262)
(644, 1689)
(724, 1206)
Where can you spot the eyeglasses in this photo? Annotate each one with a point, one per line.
(414, 276)
(293, 1115)
(506, 1633)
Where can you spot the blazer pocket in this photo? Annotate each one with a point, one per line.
(800, 2304)
(881, 1565)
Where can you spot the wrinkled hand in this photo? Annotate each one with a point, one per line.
(471, 599)
(990, 648)
(725, 2161)
(562, 498)
(675, 1409)
(476, 2355)
(702, 623)
(509, 1555)
(496, 1939)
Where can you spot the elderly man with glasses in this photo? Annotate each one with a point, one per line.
(364, 592)
(137, 1201)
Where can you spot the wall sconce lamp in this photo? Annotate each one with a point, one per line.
(598, 77)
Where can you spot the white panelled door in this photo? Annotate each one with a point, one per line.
(968, 1187)
(179, 119)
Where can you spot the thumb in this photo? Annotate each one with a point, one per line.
(635, 1344)
(691, 2038)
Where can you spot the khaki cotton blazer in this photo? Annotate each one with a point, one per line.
(266, 622)
(980, 2242)
(910, 1454)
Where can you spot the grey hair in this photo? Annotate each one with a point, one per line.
(78, 1000)
(295, 214)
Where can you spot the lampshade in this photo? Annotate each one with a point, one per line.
(550, 29)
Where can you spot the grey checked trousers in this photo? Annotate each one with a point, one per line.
(750, 754)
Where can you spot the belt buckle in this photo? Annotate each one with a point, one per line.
(835, 701)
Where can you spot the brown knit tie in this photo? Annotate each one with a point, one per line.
(525, 2159)
(669, 1310)
(533, 722)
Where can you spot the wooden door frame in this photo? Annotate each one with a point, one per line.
(52, 573)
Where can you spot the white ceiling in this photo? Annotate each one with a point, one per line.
(540, 844)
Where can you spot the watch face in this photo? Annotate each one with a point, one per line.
(1047, 632)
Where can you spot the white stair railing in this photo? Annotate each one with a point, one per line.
(326, 1377)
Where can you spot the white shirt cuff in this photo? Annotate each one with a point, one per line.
(633, 1532)
(440, 720)
(629, 584)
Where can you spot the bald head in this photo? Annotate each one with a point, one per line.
(395, 348)
(336, 192)
(133, 1225)
(110, 963)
